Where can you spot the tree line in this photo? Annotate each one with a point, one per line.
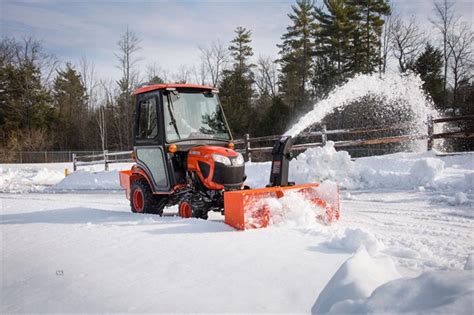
(46, 105)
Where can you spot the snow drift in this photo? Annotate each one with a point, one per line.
(439, 292)
(367, 284)
(451, 176)
(357, 278)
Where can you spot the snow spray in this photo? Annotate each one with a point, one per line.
(403, 89)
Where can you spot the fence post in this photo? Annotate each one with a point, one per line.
(324, 135)
(106, 165)
(21, 156)
(74, 160)
(248, 154)
(429, 144)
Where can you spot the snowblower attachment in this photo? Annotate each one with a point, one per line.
(250, 209)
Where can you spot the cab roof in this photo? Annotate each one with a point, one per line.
(153, 87)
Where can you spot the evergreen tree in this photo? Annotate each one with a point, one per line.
(70, 100)
(296, 54)
(333, 29)
(275, 120)
(366, 38)
(240, 49)
(26, 110)
(429, 65)
(236, 87)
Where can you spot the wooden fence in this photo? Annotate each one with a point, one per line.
(104, 158)
(248, 144)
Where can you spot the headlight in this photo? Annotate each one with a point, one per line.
(221, 159)
(239, 160)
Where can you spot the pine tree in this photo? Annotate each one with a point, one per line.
(70, 100)
(275, 120)
(296, 54)
(429, 65)
(366, 38)
(332, 31)
(240, 49)
(236, 87)
(26, 112)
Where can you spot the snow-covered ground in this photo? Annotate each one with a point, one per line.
(404, 243)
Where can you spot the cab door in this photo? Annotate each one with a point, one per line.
(148, 142)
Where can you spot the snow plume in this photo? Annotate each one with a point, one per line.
(404, 90)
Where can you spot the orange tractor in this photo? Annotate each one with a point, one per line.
(184, 155)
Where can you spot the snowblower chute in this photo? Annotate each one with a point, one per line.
(184, 156)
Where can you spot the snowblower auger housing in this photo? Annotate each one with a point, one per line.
(184, 156)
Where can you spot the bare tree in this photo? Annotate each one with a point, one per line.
(266, 76)
(215, 58)
(407, 41)
(31, 53)
(128, 45)
(386, 43)
(88, 78)
(182, 75)
(200, 73)
(155, 73)
(444, 22)
(461, 61)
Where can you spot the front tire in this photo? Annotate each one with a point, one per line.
(193, 208)
(142, 199)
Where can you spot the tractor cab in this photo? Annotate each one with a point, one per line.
(181, 144)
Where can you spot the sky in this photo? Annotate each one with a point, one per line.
(170, 32)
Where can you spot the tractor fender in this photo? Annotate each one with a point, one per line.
(128, 177)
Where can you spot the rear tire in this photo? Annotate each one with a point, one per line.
(142, 199)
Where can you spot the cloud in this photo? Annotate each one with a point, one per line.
(170, 31)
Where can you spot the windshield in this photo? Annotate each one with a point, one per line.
(193, 116)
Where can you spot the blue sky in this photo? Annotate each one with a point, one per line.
(170, 31)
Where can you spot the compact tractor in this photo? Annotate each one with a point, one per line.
(185, 156)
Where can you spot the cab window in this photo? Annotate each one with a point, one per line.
(147, 119)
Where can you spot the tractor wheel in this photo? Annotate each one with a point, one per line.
(142, 199)
(193, 208)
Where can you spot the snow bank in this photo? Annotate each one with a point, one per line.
(29, 177)
(357, 278)
(82, 180)
(437, 292)
(452, 177)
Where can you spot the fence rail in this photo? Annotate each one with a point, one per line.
(249, 148)
(105, 157)
(249, 145)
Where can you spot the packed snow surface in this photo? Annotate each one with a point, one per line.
(403, 90)
(404, 243)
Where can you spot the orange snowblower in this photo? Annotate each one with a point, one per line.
(184, 156)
